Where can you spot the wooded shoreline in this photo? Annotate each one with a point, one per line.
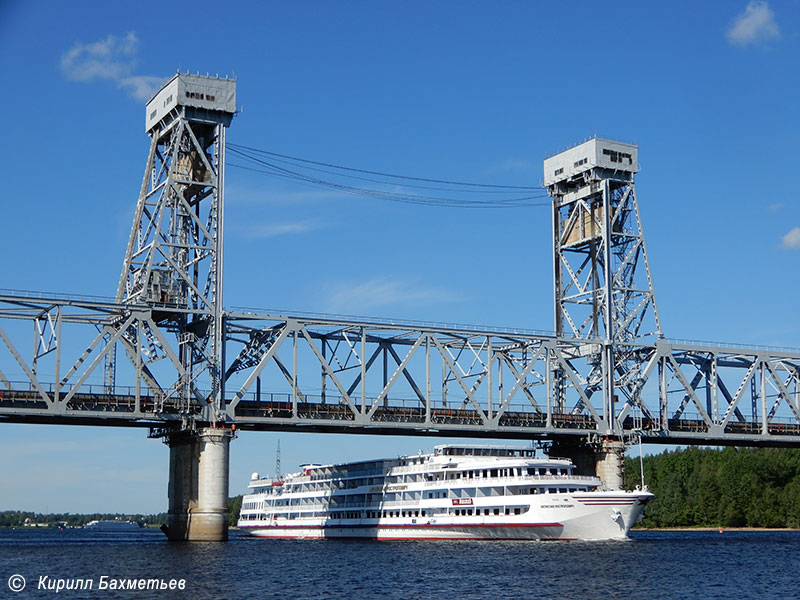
(728, 488)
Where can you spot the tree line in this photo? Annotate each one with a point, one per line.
(18, 518)
(731, 487)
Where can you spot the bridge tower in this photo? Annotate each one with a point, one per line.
(173, 265)
(602, 283)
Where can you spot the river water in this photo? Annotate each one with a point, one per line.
(651, 565)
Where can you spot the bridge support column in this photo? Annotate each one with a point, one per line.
(605, 459)
(198, 485)
(610, 466)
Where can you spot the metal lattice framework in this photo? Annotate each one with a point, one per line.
(603, 289)
(605, 372)
(318, 373)
(174, 255)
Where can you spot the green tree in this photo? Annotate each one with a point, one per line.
(234, 506)
(732, 487)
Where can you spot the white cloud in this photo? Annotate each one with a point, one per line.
(513, 165)
(254, 196)
(112, 59)
(756, 24)
(381, 291)
(141, 87)
(275, 229)
(775, 207)
(792, 239)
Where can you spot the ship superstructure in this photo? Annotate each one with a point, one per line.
(456, 492)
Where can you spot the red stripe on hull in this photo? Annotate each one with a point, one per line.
(399, 526)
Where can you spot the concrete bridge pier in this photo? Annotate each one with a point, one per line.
(605, 459)
(198, 485)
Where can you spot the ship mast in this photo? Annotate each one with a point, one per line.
(278, 461)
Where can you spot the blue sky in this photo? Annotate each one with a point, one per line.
(473, 91)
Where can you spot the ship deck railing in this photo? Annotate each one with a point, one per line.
(489, 481)
(449, 483)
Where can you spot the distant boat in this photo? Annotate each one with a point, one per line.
(112, 525)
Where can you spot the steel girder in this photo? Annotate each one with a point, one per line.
(316, 373)
(360, 376)
(63, 380)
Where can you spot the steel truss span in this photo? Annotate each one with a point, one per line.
(353, 376)
(606, 372)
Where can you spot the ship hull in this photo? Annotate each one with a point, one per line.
(588, 516)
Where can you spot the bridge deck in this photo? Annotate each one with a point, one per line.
(269, 415)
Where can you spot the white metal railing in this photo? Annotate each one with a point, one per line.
(488, 481)
(735, 346)
(407, 323)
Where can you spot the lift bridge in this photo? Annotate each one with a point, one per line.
(171, 359)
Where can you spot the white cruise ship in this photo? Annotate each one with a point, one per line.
(457, 492)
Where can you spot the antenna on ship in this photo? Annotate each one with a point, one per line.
(641, 462)
(278, 461)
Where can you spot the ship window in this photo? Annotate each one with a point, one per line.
(497, 511)
(559, 171)
(516, 511)
(423, 513)
(494, 472)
